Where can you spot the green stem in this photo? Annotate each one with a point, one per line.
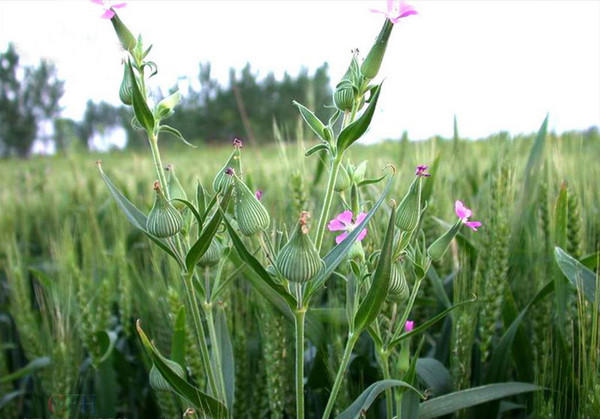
(333, 173)
(352, 338)
(153, 140)
(214, 344)
(389, 395)
(299, 317)
(200, 333)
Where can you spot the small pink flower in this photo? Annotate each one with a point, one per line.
(396, 10)
(464, 214)
(343, 222)
(229, 171)
(409, 325)
(237, 143)
(258, 194)
(108, 5)
(422, 171)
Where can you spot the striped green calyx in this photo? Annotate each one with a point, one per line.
(439, 247)
(125, 36)
(222, 180)
(176, 191)
(212, 255)
(343, 180)
(398, 290)
(250, 214)
(125, 88)
(158, 382)
(299, 260)
(163, 220)
(344, 95)
(371, 64)
(409, 210)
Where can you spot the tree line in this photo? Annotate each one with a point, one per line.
(246, 106)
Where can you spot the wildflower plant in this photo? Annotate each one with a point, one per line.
(232, 225)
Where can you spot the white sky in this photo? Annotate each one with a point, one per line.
(499, 65)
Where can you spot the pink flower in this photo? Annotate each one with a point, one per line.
(409, 325)
(464, 214)
(258, 194)
(237, 143)
(108, 6)
(422, 171)
(396, 10)
(343, 222)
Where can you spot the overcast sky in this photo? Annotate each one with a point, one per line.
(497, 65)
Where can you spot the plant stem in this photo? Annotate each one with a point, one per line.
(352, 338)
(299, 317)
(389, 395)
(214, 344)
(153, 140)
(333, 173)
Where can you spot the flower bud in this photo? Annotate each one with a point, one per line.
(222, 180)
(158, 382)
(409, 210)
(125, 88)
(356, 252)
(398, 290)
(371, 64)
(441, 244)
(344, 95)
(299, 260)
(176, 191)
(163, 220)
(123, 33)
(165, 107)
(343, 180)
(250, 214)
(212, 255)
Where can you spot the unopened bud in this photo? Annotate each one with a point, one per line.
(176, 191)
(344, 95)
(163, 220)
(409, 210)
(222, 179)
(123, 33)
(125, 88)
(371, 64)
(165, 107)
(213, 254)
(250, 214)
(398, 290)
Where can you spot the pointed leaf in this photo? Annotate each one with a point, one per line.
(316, 148)
(31, 367)
(178, 339)
(175, 133)
(311, 119)
(435, 375)
(356, 129)
(140, 107)
(227, 360)
(579, 275)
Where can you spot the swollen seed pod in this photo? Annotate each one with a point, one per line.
(250, 213)
(343, 97)
(125, 88)
(398, 290)
(299, 260)
(176, 191)
(222, 180)
(212, 255)
(163, 220)
(158, 382)
(409, 210)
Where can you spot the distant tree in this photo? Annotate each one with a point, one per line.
(66, 134)
(28, 96)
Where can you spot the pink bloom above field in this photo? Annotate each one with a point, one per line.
(343, 222)
(108, 6)
(409, 325)
(422, 171)
(396, 10)
(464, 214)
(258, 194)
(237, 143)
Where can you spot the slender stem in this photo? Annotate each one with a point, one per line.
(352, 338)
(299, 317)
(200, 333)
(153, 140)
(389, 395)
(214, 343)
(333, 173)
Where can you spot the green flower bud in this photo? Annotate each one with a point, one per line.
(371, 64)
(125, 89)
(158, 382)
(398, 290)
(212, 255)
(222, 180)
(163, 220)
(343, 180)
(165, 107)
(250, 214)
(123, 33)
(356, 252)
(441, 244)
(176, 191)
(344, 95)
(409, 210)
(299, 260)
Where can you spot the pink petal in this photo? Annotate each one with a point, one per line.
(409, 325)
(100, 2)
(108, 14)
(341, 237)
(390, 6)
(377, 11)
(473, 225)
(408, 12)
(119, 5)
(345, 217)
(336, 225)
(461, 211)
(360, 218)
(362, 235)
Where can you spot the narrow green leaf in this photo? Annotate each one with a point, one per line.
(362, 403)
(356, 129)
(435, 375)
(227, 360)
(178, 339)
(371, 181)
(579, 275)
(8, 397)
(591, 261)
(202, 401)
(140, 107)
(175, 133)
(104, 343)
(316, 148)
(30, 368)
(311, 119)
(534, 161)
(192, 209)
(453, 402)
(373, 302)
(207, 235)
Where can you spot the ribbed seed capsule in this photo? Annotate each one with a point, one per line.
(409, 210)
(176, 191)
(398, 290)
(299, 260)
(158, 382)
(222, 180)
(212, 255)
(125, 88)
(343, 97)
(250, 214)
(163, 220)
